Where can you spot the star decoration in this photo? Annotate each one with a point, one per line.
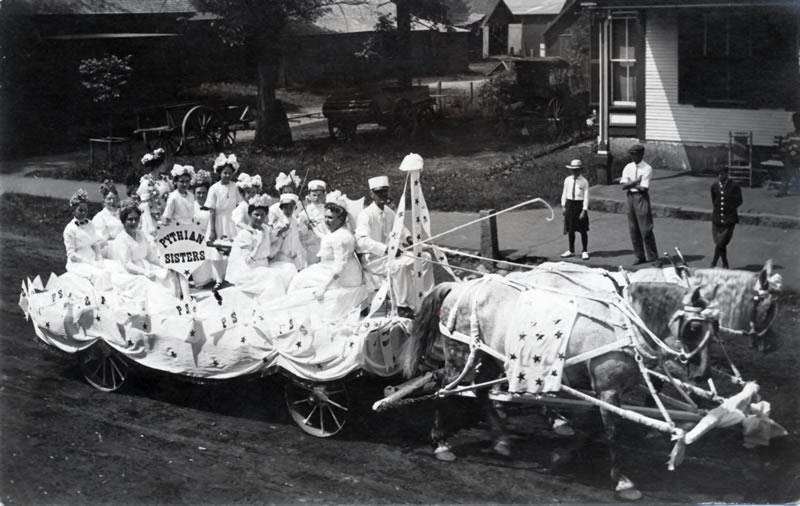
(539, 382)
(554, 373)
(394, 235)
(521, 377)
(191, 333)
(537, 359)
(522, 336)
(416, 182)
(401, 214)
(130, 343)
(425, 219)
(102, 299)
(243, 340)
(417, 219)
(419, 274)
(173, 354)
(214, 362)
(556, 322)
(512, 357)
(186, 272)
(416, 201)
(352, 344)
(144, 326)
(299, 345)
(319, 366)
(264, 360)
(97, 317)
(561, 356)
(47, 324)
(558, 334)
(539, 336)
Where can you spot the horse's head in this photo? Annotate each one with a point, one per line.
(693, 326)
(765, 294)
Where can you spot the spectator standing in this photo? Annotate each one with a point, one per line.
(726, 197)
(636, 181)
(575, 205)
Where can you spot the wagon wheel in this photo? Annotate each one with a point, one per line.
(201, 130)
(555, 120)
(103, 367)
(319, 410)
(343, 132)
(227, 138)
(168, 140)
(401, 119)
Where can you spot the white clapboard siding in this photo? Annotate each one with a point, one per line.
(667, 120)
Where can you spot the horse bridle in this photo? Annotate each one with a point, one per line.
(691, 314)
(752, 332)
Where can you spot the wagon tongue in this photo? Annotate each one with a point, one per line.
(757, 427)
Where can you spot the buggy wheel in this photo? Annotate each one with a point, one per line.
(342, 132)
(319, 410)
(169, 141)
(201, 130)
(103, 367)
(227, 138)
(401, 124)
(424, 124)
(555, 120)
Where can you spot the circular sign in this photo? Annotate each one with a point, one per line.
(182, 246)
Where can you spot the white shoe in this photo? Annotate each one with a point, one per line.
(567, 254)
(585, 255)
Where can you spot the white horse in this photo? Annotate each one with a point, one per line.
(485, 309)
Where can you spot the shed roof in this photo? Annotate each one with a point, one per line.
(345, 18)
(99, 7)
(535, 7)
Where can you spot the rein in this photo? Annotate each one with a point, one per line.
(752, 332)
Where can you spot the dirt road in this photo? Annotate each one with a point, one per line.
(165, 441)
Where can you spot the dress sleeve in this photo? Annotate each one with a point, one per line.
(341, 253)
(169, 211)
(243, 240)
(123, 254)
(103, 234)
(152, 252)
(69, 242)
(211, 199)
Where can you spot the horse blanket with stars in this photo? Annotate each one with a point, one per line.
(536, 341)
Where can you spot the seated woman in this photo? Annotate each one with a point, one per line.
(288, 253)
(249, 187)
(106, 222)
(137, 254)
(201, 182)
(337, 279)
(248, 264)
(180, 203)
(82, 243)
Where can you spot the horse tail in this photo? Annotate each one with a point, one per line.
(424, 330)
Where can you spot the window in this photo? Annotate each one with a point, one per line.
(738, 59)
(624, 37)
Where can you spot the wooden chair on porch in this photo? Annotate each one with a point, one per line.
(740, 157)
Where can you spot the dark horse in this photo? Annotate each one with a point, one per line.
(485, 309)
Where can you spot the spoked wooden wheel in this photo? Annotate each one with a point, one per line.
(201, 130)
(169, 141)
(319, 410)
(103, 367)
(227, 138)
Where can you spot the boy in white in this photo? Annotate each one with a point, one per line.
(575, 205)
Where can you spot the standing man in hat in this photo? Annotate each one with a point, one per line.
(636, 181)
(575, 203)
(726, 197)
(373, 231)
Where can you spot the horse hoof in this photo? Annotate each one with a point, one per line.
(444, 453)
(627, 490)
(502, 447)
(562, 428)
(631, 494)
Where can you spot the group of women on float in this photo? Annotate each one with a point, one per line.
(277, 245)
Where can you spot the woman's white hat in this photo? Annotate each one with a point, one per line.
(378, 182)
(317, 184)
(288, 197)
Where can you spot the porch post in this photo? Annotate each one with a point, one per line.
(604, 31)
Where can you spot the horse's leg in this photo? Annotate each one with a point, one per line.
(441, 448)
(497, 426)
(624, 486)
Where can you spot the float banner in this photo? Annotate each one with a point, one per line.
(182, 246)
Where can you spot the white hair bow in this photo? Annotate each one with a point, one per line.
(263, 200)
(255, 181)
(243, 181)
(180, 170)
(284, 179)
(223, 160)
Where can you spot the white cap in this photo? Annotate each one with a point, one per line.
(378, 182)
(412, 161)
(317, 184)
(288, 197)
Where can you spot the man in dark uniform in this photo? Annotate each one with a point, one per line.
(636, 181)
(726, 197)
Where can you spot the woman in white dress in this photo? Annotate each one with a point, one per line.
(180, 203)
(337, 279)
(249, 266)
(143, 273)
(84, 258)
(249, 187)
(287, 250)
(223, 197)
(201, 182)
(106, 222)
(311, 218)
(152, 186)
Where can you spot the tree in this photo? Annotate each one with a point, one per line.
(260, 26)
(105, 78)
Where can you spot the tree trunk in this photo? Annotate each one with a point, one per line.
(272, 124)
(403, 43)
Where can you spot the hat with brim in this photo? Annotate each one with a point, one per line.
(636, 148)
(575, 165)
(378, 182)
